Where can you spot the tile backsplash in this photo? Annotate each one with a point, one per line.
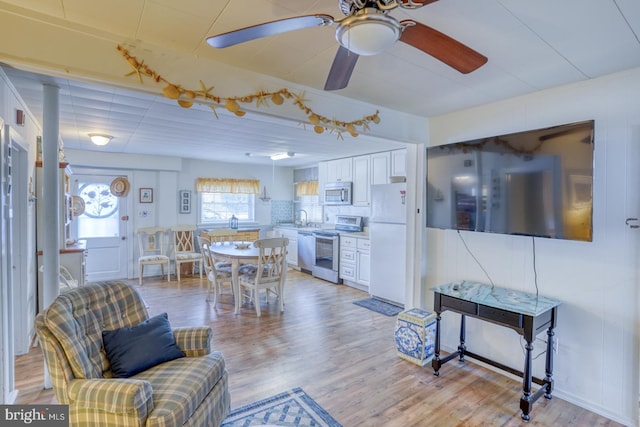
(281, 211)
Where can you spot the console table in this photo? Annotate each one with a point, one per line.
(527, 314)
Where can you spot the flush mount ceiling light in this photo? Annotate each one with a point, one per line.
(369, 32)
(281, 156)
(100, 138)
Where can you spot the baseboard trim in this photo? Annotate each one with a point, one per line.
(557, 392)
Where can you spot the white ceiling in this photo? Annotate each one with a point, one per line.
(150, 124)
(531, 46)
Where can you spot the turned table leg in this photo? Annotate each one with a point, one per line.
(525, 401)
(436, 363)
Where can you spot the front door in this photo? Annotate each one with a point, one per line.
(104, 227)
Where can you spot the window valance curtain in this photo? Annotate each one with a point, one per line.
(228, 185)
(307, 188)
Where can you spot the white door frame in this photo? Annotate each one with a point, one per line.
(125, 225)
(23, 292)
(8, 393)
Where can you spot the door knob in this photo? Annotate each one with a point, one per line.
(124, 217)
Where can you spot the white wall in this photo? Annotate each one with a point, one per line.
(167, 176)
(10, 101)
(597, 362)
(279, 181)
(17, 308)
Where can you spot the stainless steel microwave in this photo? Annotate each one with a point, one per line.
(338, 193)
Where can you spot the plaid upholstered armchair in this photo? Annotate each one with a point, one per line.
(88, 335)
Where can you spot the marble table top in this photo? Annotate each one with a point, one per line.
(502, 298)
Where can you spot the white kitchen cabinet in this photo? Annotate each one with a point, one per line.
(399, 162)
(355, 265)
(361, 181)
(348, 248)
(363, 262)
(380, 168)
(340, 170)
(292, 249)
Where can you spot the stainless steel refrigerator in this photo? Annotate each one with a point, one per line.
(387, 232)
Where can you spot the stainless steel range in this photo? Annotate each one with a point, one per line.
(327, 256)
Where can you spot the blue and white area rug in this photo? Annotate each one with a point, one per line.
(292, 408)
(379, 306)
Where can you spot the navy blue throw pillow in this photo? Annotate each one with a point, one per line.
(136, 348)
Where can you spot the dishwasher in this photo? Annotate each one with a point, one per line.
(306, 251)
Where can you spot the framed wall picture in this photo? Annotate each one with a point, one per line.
(146, 195)
(185, 201)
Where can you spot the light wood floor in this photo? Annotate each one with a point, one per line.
(342, 355)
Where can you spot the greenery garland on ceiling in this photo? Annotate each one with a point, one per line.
(186, 98)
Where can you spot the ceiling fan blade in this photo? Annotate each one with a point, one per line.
(269, 29)
(442, 47)
(341, 69)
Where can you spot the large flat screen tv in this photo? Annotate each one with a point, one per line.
(533, 183)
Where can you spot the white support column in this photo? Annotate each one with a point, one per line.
(50, 194)
(50, 199)
(416, 229)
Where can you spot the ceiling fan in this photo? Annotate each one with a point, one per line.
(366, 29)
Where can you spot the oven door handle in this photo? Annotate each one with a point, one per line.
(325, 237)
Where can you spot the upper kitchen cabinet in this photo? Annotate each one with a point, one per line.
(380, 168)
(361, 181)
(340, 170)
(363, 171)
(399, 162)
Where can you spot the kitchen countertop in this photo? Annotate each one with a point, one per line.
(297, 227)
(360, 234)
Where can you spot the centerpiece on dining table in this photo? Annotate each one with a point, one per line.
(233, 224)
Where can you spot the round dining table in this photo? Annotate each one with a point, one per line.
(236, 253)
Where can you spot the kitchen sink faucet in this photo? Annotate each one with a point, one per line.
(306, 218)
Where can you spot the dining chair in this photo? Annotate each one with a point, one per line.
(184, 250)
(151, 246)
(269, 273)
(216, 279)
(222, 235)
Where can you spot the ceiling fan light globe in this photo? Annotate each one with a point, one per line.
(368, 33)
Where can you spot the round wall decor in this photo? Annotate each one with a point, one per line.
(120, 187)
